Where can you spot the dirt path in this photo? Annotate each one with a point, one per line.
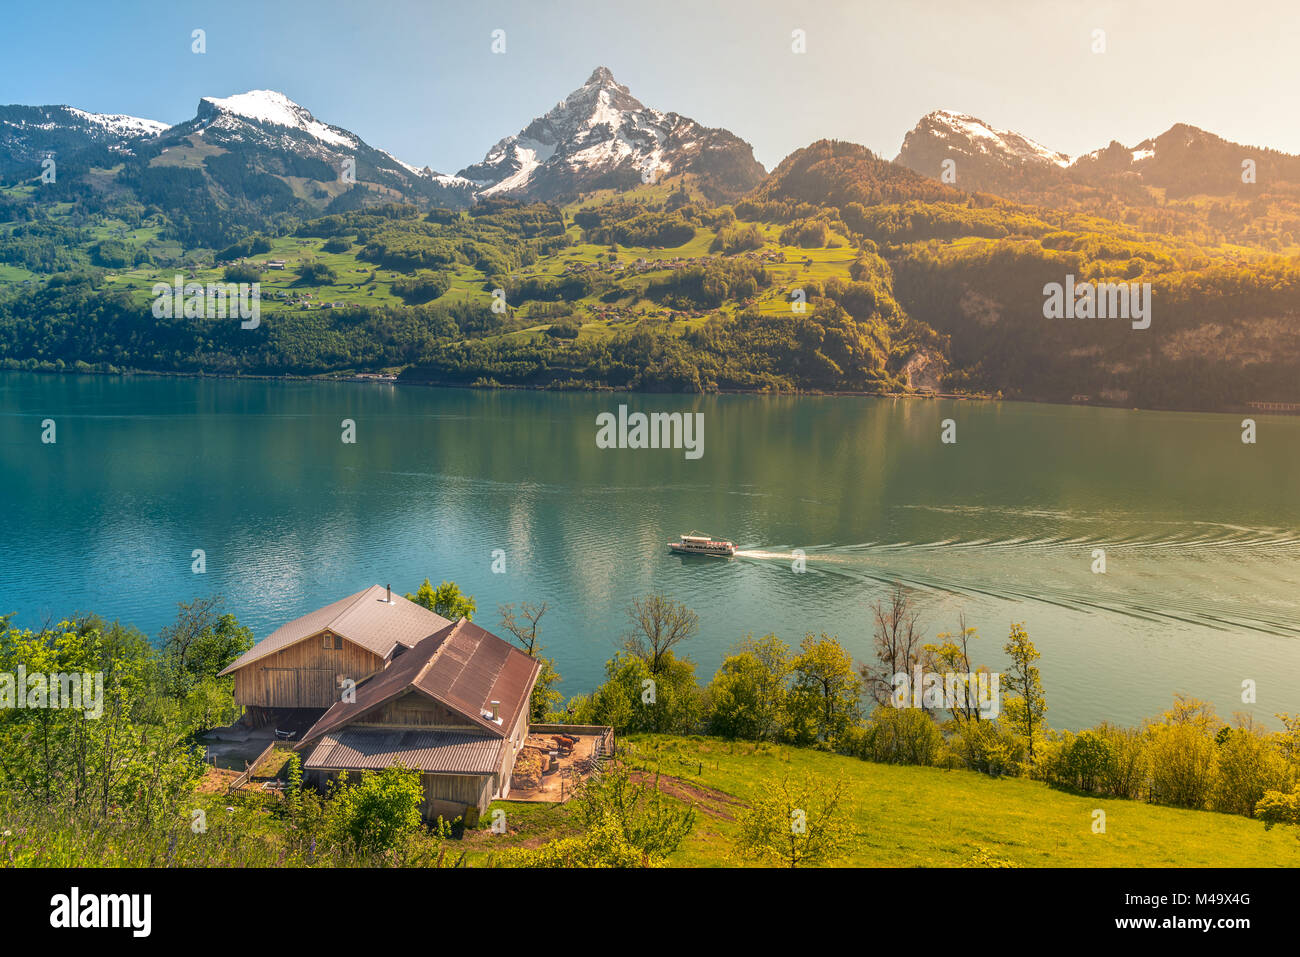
(711, 801)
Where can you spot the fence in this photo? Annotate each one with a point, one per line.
(603, 732)
(240, 781)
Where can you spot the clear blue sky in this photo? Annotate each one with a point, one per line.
(419, 79)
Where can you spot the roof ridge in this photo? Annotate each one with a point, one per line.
(356, 600)
(476, 713)
(437, 651)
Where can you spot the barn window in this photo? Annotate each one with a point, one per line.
(329, 641)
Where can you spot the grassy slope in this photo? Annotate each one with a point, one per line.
(928, 817)
(353, 285)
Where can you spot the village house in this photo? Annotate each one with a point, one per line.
(379, 680)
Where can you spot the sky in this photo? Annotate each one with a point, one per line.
(420, 80)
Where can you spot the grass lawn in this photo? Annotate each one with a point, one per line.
(922, 817)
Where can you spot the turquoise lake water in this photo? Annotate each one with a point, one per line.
(1201, 532)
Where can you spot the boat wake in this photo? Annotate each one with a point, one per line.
(1056, 571)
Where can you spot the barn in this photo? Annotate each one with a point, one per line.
(304, 664)
(384, 681)
(454, 708)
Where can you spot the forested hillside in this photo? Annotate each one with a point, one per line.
(841, 271)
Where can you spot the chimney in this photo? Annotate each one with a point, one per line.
(390, 594)
(496, 708)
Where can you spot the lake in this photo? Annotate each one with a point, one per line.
(1201, 532)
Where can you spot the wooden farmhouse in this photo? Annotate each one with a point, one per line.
(384, 681)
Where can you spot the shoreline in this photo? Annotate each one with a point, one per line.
(389, 379)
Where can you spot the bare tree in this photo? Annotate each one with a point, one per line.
(952, 656)
(898, 643)
(524, 625)
(658, 623)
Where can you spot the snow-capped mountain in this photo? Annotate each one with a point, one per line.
(1182, 161)
(600, 136)
(118, 124)
(266, 124)
(268, 108)
(983, 156)
(30, 133)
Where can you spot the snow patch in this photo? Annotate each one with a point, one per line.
(529, 154)
(992, 140)
(276, 109)
(120, 123)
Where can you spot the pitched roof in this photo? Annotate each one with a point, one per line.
(366, 619)
(462, 666)
(447, 752)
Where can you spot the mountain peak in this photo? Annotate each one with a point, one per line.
(601, 76)
(948, 132)
(602, 137)
(267, 105)
(273, 108)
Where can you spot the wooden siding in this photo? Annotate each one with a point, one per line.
(518, 735)
(448, 795)
(304, 675)
(445, 795)
(413, 710)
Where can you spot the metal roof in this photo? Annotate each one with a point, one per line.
(462, 666)
(444, 752)
(473, 667)
(366, 619)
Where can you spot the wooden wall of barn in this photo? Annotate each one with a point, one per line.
(518, 735)
(449, 795)
(445, 795)
(414, 710)
(306, 674)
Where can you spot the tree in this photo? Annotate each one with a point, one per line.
(826, 700)
(1027, 705)
(525, 627)
(632, 700)
(1279, 807)
(380, 811)
(1248, 766)
(546, 697)
(120, 746)
(898, 643)
(1183, 751)
(749, 694)
(446, 600)
(200, 644)
(603, 845)
(796, 824)
(648, 820)
(658, 623)
(952, 656)
(624, 824)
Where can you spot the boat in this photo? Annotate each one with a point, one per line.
(697, 543)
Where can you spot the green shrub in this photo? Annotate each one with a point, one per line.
(1088, 761)
(900, 736)
(379, 812)
(424, 286)
(989, 747)
(242, 272)
(1248, 766)
(1183, 754)
(316, 274)
(1126, 776)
